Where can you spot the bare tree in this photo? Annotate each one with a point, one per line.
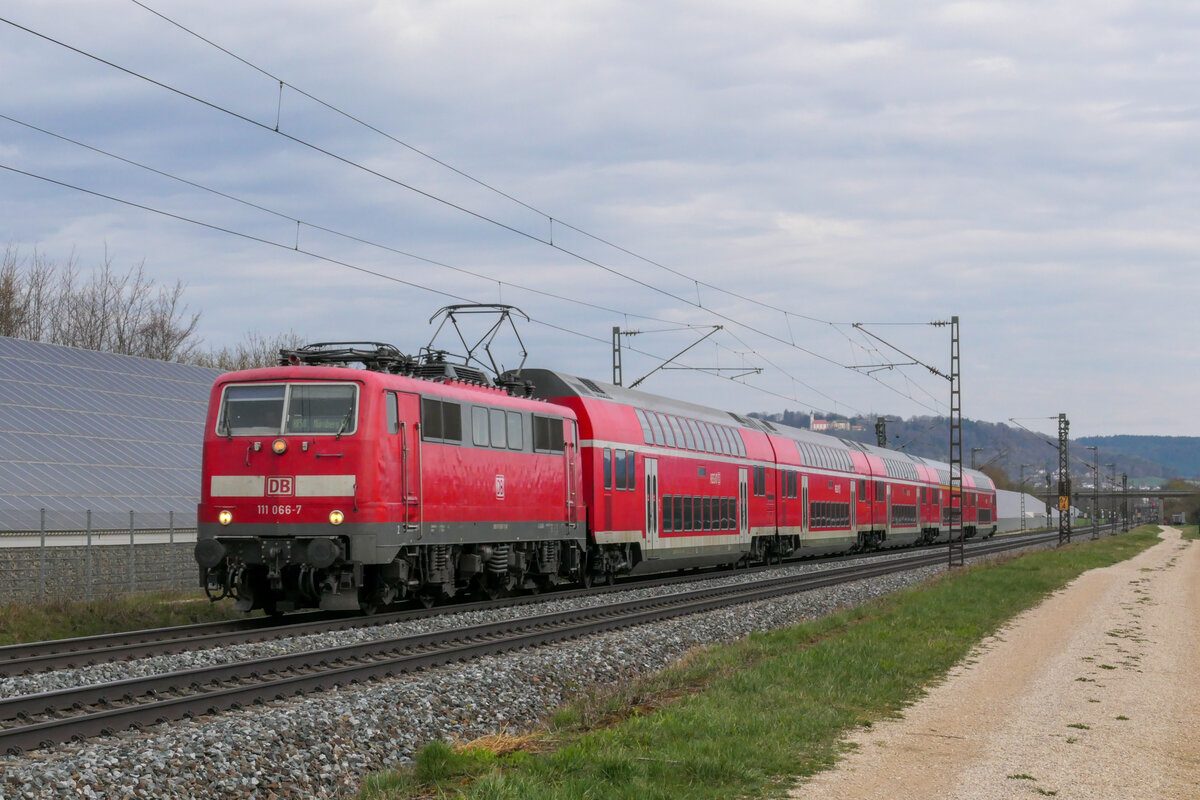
(13, 310)
(166, 332)
(125, 313)
(26, 292)
(255, 350)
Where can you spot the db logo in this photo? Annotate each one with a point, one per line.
(278, 486)
(499, 487)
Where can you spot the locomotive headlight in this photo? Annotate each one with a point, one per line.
(225, 517)
(336, 517)
(279, 447)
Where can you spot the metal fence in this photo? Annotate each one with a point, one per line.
(93, 561)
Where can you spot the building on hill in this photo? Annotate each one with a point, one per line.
(86, 431)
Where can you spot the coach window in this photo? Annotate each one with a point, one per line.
(619, 469)
(393, 413)
(678, 503)
(739, 443)
(630, 470)
(706, 436)
(693, 433)
(608, 468)
(760, 481)
(646, 434)
(680, 439)
(697, 513)
(659, 439)
(716, 437)
(667, 432)
(516, 438)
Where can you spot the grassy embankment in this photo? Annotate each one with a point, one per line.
(25, 622)
(1189, 531)
(744, 720)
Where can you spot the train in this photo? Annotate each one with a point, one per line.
(352, 476)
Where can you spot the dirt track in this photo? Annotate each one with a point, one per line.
(1093, 694)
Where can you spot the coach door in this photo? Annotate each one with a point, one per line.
(571, 453)
(407, 410)
(887, 521)
(743, 510)
(650, 468)
(854, 506)
(807, 517)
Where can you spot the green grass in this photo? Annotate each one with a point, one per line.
(1190, 531)
(23, 622)
(746, 719)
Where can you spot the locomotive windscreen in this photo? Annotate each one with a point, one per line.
(277, 408)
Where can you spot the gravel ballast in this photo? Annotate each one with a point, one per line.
(322, 746)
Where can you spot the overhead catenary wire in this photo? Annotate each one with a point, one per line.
(550, 219)
(351, 237)
(345, 264)
(402, 184)
(458, 207)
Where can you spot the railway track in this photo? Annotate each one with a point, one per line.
(40, 720)
(30, 658)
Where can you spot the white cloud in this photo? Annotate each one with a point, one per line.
(1027, 166)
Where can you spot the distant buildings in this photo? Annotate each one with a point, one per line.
(815, 424)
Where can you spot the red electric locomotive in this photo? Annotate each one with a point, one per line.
(351, 488)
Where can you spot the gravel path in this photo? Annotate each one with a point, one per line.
(1094, 694)
(323, 746)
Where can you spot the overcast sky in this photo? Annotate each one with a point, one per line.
(1027, 166)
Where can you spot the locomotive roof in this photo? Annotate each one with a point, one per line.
(550, 383)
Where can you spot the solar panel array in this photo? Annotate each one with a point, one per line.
(82, 430)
